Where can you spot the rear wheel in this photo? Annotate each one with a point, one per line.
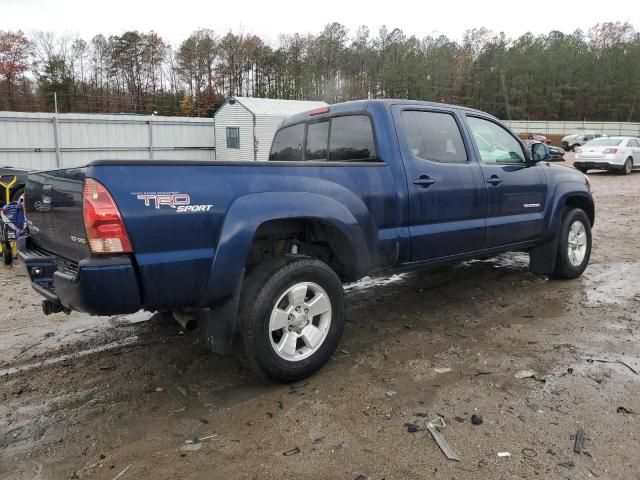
(7, 253)
(628, 166)
(292, 317)
(15, 195)
(574, 244)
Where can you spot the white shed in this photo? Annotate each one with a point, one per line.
(245, 126)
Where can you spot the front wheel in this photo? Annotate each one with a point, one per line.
(574, 244)
(292, 317)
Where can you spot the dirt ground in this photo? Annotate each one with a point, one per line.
(87, 397)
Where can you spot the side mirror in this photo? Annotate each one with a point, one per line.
(540, 152)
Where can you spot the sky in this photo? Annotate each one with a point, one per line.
(175, 20)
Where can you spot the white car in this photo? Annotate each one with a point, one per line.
(621, 154)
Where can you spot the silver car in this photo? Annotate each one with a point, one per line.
(571, 142)
(621, 154)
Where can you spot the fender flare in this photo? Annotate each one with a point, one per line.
(242, 220)
(543, 257)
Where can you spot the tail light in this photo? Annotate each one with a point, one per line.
(578, 150)
(319, 111)
(106, 232)
(610, 150)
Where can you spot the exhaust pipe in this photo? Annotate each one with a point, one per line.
(187, 321)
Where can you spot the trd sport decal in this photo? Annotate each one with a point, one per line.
(180, 202)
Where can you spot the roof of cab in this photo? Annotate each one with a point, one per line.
(361, 105)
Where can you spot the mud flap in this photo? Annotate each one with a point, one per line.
(542, 259)
(222, 321)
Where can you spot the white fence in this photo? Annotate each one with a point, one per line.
(46, 141)
(565, 128)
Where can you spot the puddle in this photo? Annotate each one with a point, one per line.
(61, 358)
(614, 283)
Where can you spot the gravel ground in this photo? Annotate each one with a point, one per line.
(88, 397)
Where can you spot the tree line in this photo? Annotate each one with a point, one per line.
(592, 75)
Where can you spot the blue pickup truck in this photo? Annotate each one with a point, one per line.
(265, 247)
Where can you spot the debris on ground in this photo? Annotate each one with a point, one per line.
(601, 360)
(293, 451)
(343, 354)
(195, 443)
(390, 393)
(476, 419)
(529, 452)
(122, 472)
(578, 444)
(459, 419)
(294, 387)
(182, 390)
(191, 447)
(412, 427)
(442, 370)
(434, 429)
(360, 477)
(504, 454)
(568, 465)
(521, 374)
(624, 411)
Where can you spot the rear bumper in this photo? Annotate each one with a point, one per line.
(595, 165)
(99, 286)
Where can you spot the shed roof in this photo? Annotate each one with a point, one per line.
(276, 107)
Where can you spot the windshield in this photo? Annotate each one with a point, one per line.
(604, 142)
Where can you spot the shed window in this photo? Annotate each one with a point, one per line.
(233, 137)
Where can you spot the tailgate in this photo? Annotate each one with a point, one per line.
(53, 206)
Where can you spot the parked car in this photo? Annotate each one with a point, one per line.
(12, 181)
(621, 154)
(556, 154)
(352, 189)
(571, 142)
(535, 136)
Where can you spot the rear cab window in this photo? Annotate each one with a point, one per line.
(346, 138)
(287, 144)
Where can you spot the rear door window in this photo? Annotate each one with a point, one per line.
(434, 136)
(287, 144)
(351, 139)
(317, 140)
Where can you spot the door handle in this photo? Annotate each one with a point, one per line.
(494, 180)
(424, 181)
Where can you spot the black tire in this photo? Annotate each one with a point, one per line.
(627, 168)
(564, 268)
(15, 195)
(7, 254)
(574, 146)
(262, 289)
